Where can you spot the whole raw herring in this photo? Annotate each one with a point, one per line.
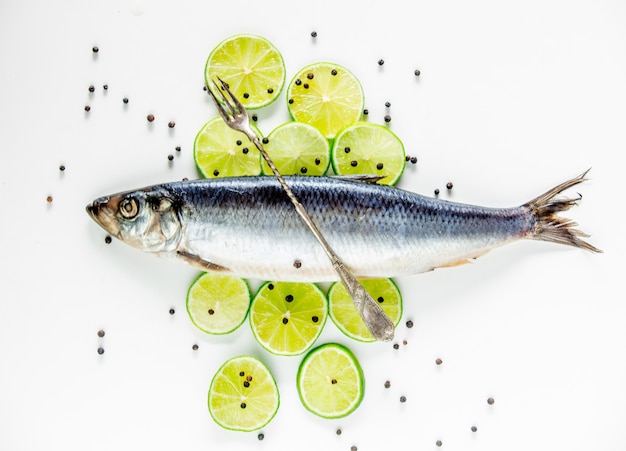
(246, 226)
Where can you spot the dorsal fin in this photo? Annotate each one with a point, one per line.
(365, 178)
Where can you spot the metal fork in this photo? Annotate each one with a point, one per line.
(236, 117)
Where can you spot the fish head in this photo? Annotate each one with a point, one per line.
(146, 219)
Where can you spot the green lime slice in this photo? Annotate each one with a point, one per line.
(253, 68)
(220, 151)
(345, 315)
(326, 96)
(297, 148)
(218, 304)
(366, 148)
(243, 395)
(330, 381)
(287, 317)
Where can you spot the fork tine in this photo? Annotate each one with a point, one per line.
(234, 112)
(240, 108)
(219, 106)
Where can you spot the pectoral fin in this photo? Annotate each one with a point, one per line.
(200, 263)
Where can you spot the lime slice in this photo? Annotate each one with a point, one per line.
(345, 315)
(330, 381)
(218, 304)
(253, 68)
(243, 395)
(366, 148)
(327, 96)
(220, 151)
(287, 317)
(297, 148)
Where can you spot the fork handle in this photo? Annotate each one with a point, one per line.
(374, 317)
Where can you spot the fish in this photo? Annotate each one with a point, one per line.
(247, 226)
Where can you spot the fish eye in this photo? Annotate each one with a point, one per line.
(129, 208)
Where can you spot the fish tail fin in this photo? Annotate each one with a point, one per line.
(553, 228)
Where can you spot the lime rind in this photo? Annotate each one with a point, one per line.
(215, 148)
(239, 61)
(269, 307)
(293, 146)
(332, 102)
(344, 315)
(311, 396)
(228, 296)
(369, 144)
(226, 395)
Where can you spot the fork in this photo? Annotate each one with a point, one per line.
(236, 117)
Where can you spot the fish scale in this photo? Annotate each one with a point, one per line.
(247, 226)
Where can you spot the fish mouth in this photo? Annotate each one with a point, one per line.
(102, 212)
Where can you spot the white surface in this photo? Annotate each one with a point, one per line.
(512, 100)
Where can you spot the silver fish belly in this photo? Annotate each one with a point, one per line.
(246, 226)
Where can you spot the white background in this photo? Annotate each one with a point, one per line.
(514, 97)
